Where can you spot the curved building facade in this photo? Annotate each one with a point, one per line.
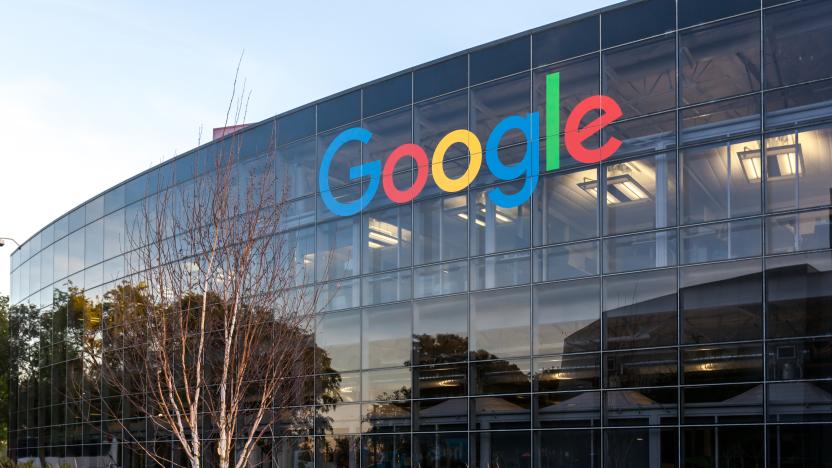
(638, 273)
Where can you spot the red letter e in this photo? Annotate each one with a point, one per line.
(575, 136)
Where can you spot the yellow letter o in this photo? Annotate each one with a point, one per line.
(471, 141)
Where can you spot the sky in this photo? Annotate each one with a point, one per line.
(93, 92)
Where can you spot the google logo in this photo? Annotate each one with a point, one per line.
(528, 167)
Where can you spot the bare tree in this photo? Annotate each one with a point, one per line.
(213, 334)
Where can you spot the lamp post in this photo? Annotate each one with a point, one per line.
(4, 239)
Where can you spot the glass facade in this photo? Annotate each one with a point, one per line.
(670, 306)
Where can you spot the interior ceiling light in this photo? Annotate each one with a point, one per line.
(383, 234)
(620, 189)
(502, 215)
(781, 162)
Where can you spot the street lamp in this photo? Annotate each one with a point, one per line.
(4, 239)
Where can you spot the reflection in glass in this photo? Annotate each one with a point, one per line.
(507, 449)
(338, 250)
(720, 59)
(567, 317)
(498, 271)
(642, 77)
(649, 368)
(640, 407)
(725, 363)
(296, 171)
(496, 228)
(436, 118)
(339, 335)
(440, 381)
(503, 412)
(445, 278)
(640, 251)
(722, 302)
(385, 450)
(385, 417)
(567, 409)
(641, 447)
(799, 444)
(799, 401)
(715, 404)
(573, 448)
(440, 414)
(386, 240)
(336, 451)
(386, 287)
(800, 231)
(799, 295)
(500, 323)
(385, 385)
(449, 450)
(789, 34)
(799, 359)
(441, 229)
(724, 446)
(386, 335)
(440, 330)
(502, 376)
(640, 310)
(567, 372)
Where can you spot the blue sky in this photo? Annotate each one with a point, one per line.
(92, 92)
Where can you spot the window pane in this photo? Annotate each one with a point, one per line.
(720, 60)
(386, 336)
(342, 294)
(94, 243)
(498, 271)
(640, 194)
(388, 94)
(440, 78)
(567, 372)
(721, 119)
(338, 337)
(642, 77)
(387, 239)
(442, 414)
(338, 250)
(642, 407)
(441, 229)
(630, 448)
(798, 169)
(114, 235)
(298, 213)
(436, 118)
(799, 401)
(76, 251)
(798, 105)
(567, 317)
(800, 445)
(502, 376)
(296, 125)
(722, 241)
(500, 60)
(795, 43)
(643, 135)
(720, 181)
(445, 278)
(573, 448)
(385, 385)
(389, 131)
(722, 302)
(386, 287)
(565, 41)
(650, 368)
(503, 412)
(640, 251)
(566, 207)
(493, 102)
(567, 261)
(500, 323)
(441, 381)
(722, 404)
(348, 156)
(638, 20)
(440, 330)
(445, 450)
(579, 79)
(800, 359)
(801, 231)
(496, 228)
(640, 310)
(719, 364)
(699, 11)
(339, 111)
(799, 295)
(296, 168)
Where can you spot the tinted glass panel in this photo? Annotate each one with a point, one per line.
(642, 77)
(444, 278)
(386, 336)
(795, 40)
(567, 317)
(809, 230)
(441, 233)
(798, 105)
(386, 287)
(567, 372)
(800, 445)
(640, 310)
(640, 251)
(567, 261)
(500, 323)
(389, 131)
(720, 59)
(723, 403)
(722, 241)
(388, 94)
(338, 248)
(636, 21)
(574, 448)
(800, 359)
(564, 211)
(642, 407)
(387, 239)
(495, 228)
(565, 41)
(440, 78)
(630, 448)
(798, 169)
(296, 125)
(727, 363)
(640, 194)
(493, 102)
(440, 329)
(579, 79)
(339, 338)
(721, 119)
(296, 169)
(339, 111)
(498, 271)
(649, 368)
(502, 376)
(724, 446)
(500, 60)
(698, 11)
(799, 295)
(436, 118)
